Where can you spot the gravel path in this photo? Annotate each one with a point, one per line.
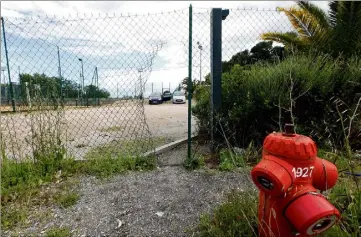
(163, 202)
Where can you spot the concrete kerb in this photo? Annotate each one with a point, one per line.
(162, 149)
(167, 147)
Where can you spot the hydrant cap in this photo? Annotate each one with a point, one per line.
(293, 147)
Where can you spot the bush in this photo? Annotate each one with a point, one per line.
(302, 89)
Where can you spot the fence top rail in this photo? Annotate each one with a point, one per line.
(90, 16)
(99, 16)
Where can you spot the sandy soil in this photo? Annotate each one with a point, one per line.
(90, 127)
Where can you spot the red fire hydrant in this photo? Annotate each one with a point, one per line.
(288, 177)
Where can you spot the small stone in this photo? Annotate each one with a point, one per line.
(159, 213)
(120, 223)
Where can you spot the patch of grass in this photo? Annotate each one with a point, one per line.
(124, 148)
(235, 217)
(67, 199)
(103, 167)
(112, 129)
(346, 196)
(32, 184)
(194, 163)
(231, 159)
(58, 232)
(11, 217)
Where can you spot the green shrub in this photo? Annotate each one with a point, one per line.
(257, 99)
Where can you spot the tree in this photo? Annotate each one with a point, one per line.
(40, 85)
(336, 33)
(94, 92)
(262, 51)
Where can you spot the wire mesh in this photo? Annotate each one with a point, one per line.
(86, 78)
(93, 75)
(241, 31)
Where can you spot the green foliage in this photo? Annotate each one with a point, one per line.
(103, 167)
(229, 160)
(236, 217)
(95, 92)
(21, 182)
(255, 101)
(194, 163)
(58, 232)
(11, 217)
(338, 32)
(261, 52)
(346, 196)
(347, 199)
(41, 85)
(67, 199)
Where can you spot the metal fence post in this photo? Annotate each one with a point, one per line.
(217, 15)
(8, 67)
(189, 84)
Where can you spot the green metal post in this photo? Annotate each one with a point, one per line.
(189, 86)
(217, 15)
(8, 67)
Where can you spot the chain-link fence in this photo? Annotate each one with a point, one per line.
(83, 81)
(91, 76)
(242, 45)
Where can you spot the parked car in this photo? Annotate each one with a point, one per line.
(155, 98)
(167, 96)
(179, 97)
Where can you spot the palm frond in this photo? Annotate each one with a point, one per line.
(346, 35)
(317, 14)
(307, 25)
(295, 17)
(288, 39)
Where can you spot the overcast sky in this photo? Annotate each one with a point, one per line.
(119, 45)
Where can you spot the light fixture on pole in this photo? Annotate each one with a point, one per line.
(200, 47)
(82, 78)
(140, 70)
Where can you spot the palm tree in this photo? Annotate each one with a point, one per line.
(338, 32)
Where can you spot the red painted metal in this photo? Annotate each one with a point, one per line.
(288, 177)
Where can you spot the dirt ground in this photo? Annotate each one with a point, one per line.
(165, 202)
(87, 128)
